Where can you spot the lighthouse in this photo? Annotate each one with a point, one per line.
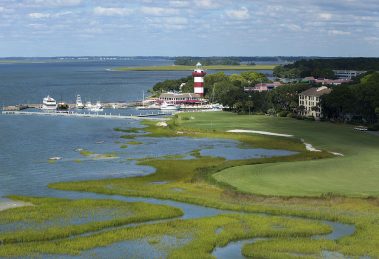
(198, 77)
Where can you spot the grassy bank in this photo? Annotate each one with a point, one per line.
(52, 218)
(190, 68)
(201, 235)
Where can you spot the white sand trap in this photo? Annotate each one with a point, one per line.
(12, 204)
(310, 147)
(261, 132)
(336, 154)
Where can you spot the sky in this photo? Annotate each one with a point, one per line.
(189, 27)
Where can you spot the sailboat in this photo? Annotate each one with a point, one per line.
(147, 107)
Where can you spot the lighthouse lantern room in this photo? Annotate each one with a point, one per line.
(198, 76)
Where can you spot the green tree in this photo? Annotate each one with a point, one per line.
(253, 78)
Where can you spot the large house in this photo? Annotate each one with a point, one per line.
(309, 100)
(263, 87)
(347, 74)
(325, 81)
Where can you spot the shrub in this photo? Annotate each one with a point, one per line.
(282, 114)
(374, 127)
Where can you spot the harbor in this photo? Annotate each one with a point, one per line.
(149, 116)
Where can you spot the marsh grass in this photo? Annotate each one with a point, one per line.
(53, 218)
(134, 143)
(200, 234)
(86, 153)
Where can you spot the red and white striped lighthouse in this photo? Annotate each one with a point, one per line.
(198, 77)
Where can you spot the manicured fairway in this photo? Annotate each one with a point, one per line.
(355, 174)
(189, 68)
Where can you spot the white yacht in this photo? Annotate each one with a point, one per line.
(97, 108)
(79, 103)
(49, 104)
(88, 105)
(169, 107)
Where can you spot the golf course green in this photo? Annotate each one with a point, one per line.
(355, 174)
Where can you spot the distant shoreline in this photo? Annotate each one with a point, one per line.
(189, 68)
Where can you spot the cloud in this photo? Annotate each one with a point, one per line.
(168, 23)
(338, 33)
(39, 15)
(239, 14)
(52, 3)
(372, 39)
(5, 10)
(179, 4)
(291, 26)
(112, 11)
(325, 16)
(159, 11)
(207, 4)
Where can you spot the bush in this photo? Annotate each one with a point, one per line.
(309, 118)
(282, 114)
(374, 127)
(271, 111)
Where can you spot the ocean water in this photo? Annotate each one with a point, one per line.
(93, 80)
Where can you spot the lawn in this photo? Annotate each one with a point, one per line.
(355, 174)
(190, 68)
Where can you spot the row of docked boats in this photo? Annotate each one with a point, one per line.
(175, 107)
(50, 104)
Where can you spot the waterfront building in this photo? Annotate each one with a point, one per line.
(180, 98)
(347, 74)
(309, 101)
(198, 77)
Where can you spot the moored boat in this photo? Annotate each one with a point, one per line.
(97, 108)
(49, 104)
(169, 107)
(79, 103)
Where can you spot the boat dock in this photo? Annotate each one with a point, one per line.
(150, 116)
(108, 105)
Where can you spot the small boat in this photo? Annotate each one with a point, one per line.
(88, 105)
(97, 108)
(149, 107)
(169, 107)
(79, 103)
(55, 158)
(49, 104)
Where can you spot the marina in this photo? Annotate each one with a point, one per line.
(149, 116)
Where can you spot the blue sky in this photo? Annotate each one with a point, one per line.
(189, 27)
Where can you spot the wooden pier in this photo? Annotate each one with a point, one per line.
(151, 116)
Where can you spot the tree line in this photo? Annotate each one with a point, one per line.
(356, 102)
(207, 61)
(323, 68)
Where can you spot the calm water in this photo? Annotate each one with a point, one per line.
(29, 83)
(27, 142)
